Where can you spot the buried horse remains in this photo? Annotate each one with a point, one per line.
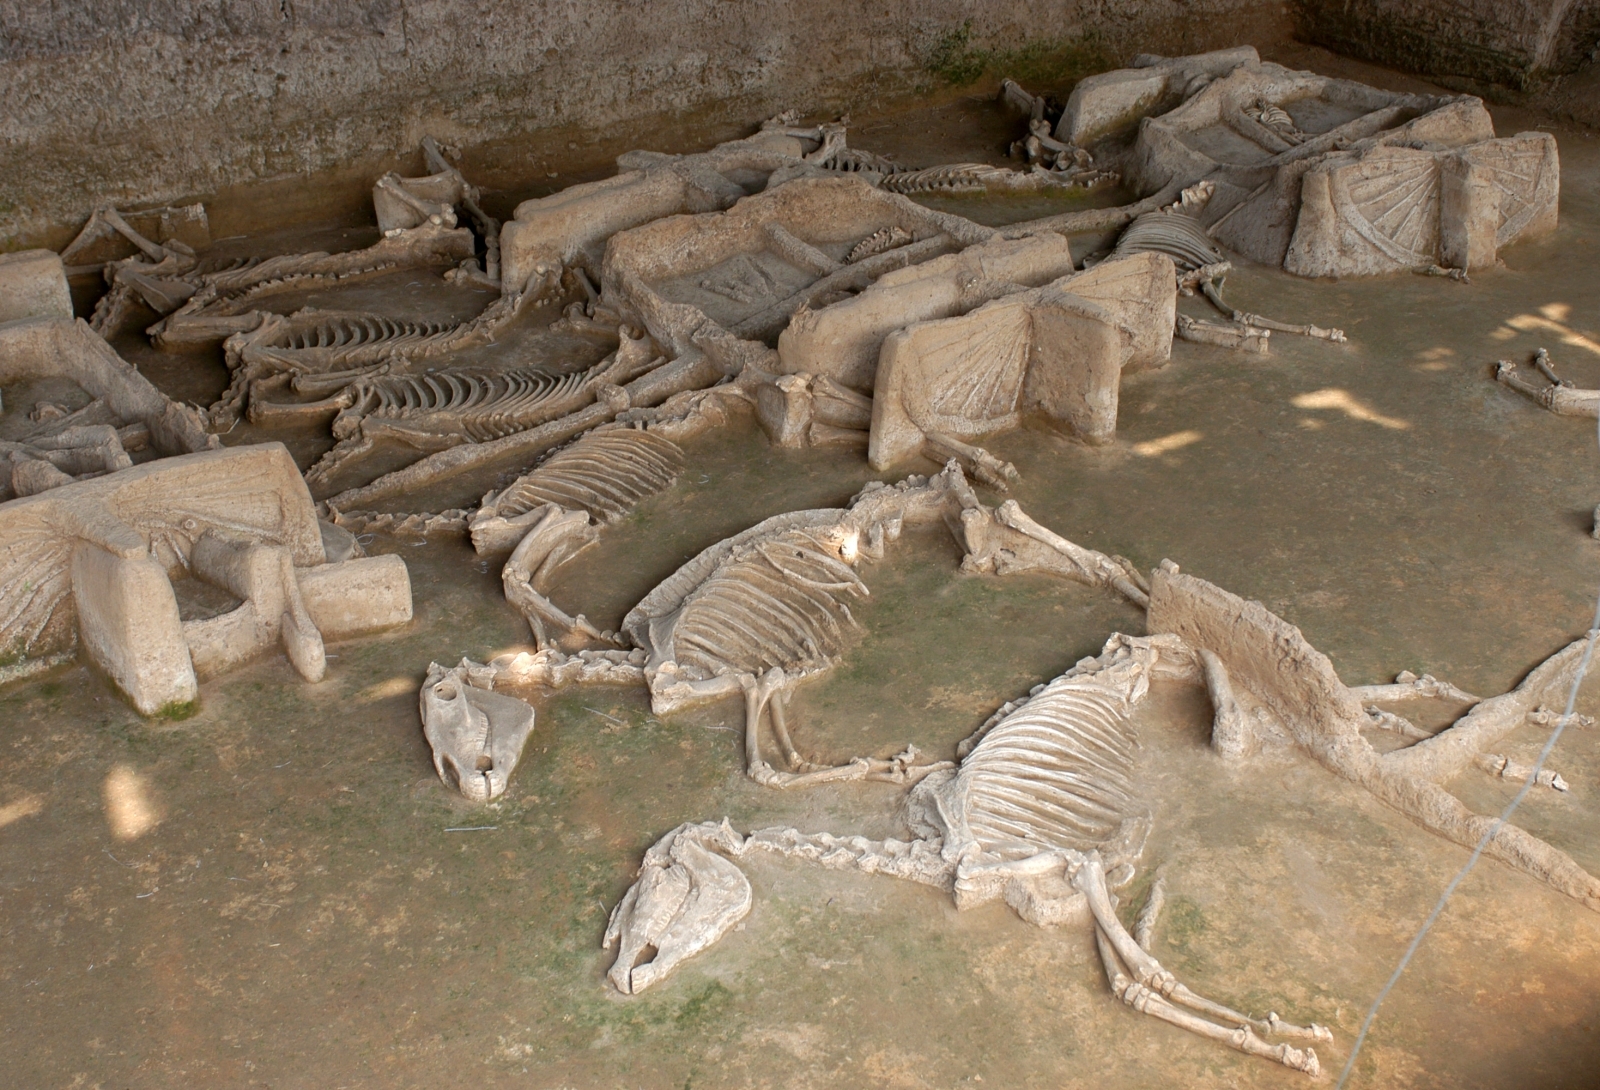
(784, 280)
(1044, 809)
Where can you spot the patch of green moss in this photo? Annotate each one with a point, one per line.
(177, 710)
(1049, 62)
(1184, 927)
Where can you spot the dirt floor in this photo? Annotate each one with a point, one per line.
(279, 892)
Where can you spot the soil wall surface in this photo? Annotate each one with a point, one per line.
(1512, 42)
(157, 100)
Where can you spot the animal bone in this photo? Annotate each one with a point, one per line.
(400, 524)
(441, 409)
(1200, 331)
(477, 735)
(108, 234)
(1458, 275)
(1408, 686)
(1177, 233)
(1560, 397)
(953, 178)
(604, 473)
(1005, 540)
(551, 538)
(691, 372)
(1035, 813)
(1289, 682)
(1398, 724)
(1030, 106)
(763, 610)
(881, 240)
(1497, 764)
(686, 898)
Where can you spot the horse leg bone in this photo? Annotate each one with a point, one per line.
(1544, 717)
(1561, 400)
(1497, 764)
(1399, 724)
(1090, 880)
(1231, 734)
(1408, 686)
(812, 772)
(558, 536)
(1242, 1038)
(1256, 321)
(439, 214)
(767, 694)
(900, 769)
(1541, 360)
(273, 413)
(756, 695)
(1200, 331)
(998, 475)
(120, 225)
(780, 728)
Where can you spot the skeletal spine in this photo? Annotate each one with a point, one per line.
(949, 178)
(880, 241)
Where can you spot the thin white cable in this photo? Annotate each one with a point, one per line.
(1527, 785)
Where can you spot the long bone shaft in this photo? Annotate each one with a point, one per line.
(1090, 880)
(1256, 321)
(1563, 400)
(1242, 1038)
(766, 694)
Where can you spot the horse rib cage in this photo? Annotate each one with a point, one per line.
(1055, 773)
(775, 602)
(483, 404)
(352, 331)
(1179, 236)
(604, 473)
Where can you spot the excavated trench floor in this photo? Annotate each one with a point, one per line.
(278, 892)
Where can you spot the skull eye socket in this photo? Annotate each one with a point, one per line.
(485, 763)
(445, 691)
